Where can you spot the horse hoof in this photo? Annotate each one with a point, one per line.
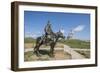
(39, 55)
(51, 55)
(34, 52)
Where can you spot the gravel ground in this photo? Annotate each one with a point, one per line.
(58, 55)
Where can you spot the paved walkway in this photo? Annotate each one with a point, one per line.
(74, 54)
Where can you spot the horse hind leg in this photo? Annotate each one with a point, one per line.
(36, 51)
(38, 44)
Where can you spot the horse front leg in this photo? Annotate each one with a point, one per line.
(52, 50)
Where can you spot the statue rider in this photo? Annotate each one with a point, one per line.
(48, 31)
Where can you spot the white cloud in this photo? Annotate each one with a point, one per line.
(78, 28)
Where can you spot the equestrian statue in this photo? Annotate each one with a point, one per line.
(49, 38)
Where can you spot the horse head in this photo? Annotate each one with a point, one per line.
(60, 35)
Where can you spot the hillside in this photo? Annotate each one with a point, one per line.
(75, 43)
(29, 40)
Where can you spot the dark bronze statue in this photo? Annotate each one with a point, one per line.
(50, 38)
(48, 32)
(47, 29)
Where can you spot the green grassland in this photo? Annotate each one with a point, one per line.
(29, 40)
(73, 43)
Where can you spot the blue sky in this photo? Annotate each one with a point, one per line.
(34, 23)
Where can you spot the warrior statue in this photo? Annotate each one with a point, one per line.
(48, 32)
(47, 29)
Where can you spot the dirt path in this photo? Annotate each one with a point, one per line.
(74, 54)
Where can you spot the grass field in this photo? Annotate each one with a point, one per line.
(74, 43)
(77, 44)
(29, 40)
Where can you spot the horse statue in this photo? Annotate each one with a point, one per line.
(42, 40)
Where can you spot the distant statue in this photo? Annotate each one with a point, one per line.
(70, 35)
(49, 38)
